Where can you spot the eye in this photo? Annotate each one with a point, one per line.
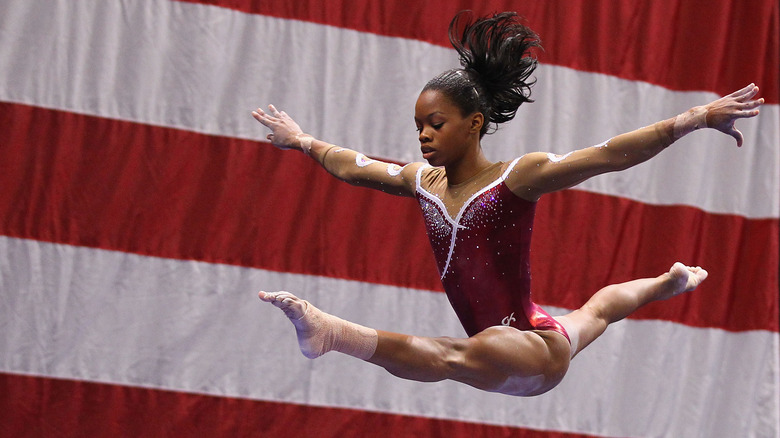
(438, 126)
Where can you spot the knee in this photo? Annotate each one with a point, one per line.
(584, 325)
(595, 315)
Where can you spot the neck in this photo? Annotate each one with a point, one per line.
(467, 167)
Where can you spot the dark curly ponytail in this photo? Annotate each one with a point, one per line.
(495, 53)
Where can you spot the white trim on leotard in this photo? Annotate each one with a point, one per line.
(455, 223)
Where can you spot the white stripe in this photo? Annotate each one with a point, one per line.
(203, 68)
(455, 224)
(509, 168)
(106, 316)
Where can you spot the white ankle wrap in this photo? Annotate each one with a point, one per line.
(320, 332)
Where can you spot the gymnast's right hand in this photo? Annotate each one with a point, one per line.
(285, 133)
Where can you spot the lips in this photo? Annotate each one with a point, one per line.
(427, 151)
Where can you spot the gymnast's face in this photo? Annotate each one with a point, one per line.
(445, 134)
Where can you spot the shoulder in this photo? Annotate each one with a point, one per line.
(411, 171)
(424, 174)
(522, 173)
(524, 165)
(532, 159)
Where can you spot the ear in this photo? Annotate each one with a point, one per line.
(477, 121)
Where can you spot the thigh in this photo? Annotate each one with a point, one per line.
(507, 360)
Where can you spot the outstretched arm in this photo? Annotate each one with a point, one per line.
(539, 173)
(345, 164)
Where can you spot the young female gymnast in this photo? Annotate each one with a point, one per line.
(479, 216)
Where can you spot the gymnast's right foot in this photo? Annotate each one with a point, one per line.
(319, 332)
(307, 329)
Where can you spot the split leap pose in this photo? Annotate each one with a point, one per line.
(479, 217)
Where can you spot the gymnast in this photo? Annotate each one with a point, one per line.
(479, 216)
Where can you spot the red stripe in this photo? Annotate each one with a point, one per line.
(606, 240)
(46, 407)
(711, 45)
(163, 192)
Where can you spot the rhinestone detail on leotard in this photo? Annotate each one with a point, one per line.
(483, 257)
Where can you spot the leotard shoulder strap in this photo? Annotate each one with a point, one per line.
(509, 168)
(418, 177)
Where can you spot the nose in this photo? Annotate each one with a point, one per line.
(424, 137)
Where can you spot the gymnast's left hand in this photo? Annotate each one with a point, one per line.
(724, 112)
(285, 133)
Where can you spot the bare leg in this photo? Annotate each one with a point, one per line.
(617, 301)
(498, 359)
(501, 359)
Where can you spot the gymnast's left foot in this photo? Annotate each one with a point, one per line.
(681, 278)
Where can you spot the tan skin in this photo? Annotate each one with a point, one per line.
(537, 360)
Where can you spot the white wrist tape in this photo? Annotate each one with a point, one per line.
(689, 121)
(305, 141)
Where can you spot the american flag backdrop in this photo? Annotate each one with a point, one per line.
(141, 209)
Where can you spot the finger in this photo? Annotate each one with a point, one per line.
(737, 136)
(274, 111)
(751, 104)
(263, 119)
(745, 114)
(755, 103)
(265, 296)
(742, 91)
(274, 296)
(752, 91)
(264, 115)
(270, 137)
(261, 113)
(282, 296)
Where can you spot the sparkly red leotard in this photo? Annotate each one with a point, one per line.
(483, 254)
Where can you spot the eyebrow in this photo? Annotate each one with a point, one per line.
(430, 115)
